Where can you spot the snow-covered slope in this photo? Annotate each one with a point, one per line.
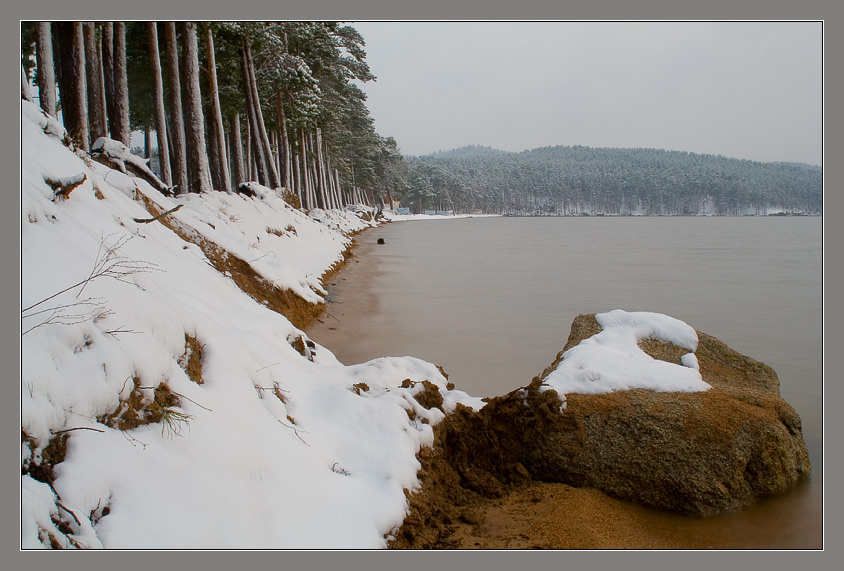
(280, 446)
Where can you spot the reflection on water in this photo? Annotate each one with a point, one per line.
(492, 301)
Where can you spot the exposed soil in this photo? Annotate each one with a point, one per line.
(139, 410)
(297, 310)
(191, 361)
(467, 508)
(42, 469)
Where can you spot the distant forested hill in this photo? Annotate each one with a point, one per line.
(469, 152)
(583, 180)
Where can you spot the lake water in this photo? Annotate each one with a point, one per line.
(491, 300)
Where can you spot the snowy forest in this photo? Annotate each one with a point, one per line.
(578, 180)
(280, 103)
(220, 103)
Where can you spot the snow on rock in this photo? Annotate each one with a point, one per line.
(612, 360)
(272, 450)
(702, 452)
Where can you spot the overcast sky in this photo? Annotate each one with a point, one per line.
(739, 89)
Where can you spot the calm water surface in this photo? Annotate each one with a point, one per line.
(492, 301)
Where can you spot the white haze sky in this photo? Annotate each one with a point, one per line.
(750, 90)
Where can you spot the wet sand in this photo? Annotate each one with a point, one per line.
(558, 516)
(341, 304)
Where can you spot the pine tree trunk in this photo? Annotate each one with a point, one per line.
(219, 162)
(307, 179)
(389, 199)
(280, 168)
(253, 173)
(120, 129)
(284, 146)
(250, 169)
(273, 144)
(301, 178)
(335, 186)
(260, 133)
(329, 180)
(227, 144)
(158, 94)
(108, 70)
(71, 76)
(199, 177)
(314, 165)
(236, 150)
(307, 190)
(319, 159)
(297, 178)
(339, 188)
(307, 165)
(96, 106)
(253, 107)
(46, 79)
(26, 91)
(101, 74)
(176, 132)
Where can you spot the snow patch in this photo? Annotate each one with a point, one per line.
(611, 360)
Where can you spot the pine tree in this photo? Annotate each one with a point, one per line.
(236, 150)
(175, 129)
(46, 78)
(71, 80)
(26, 92)
(218, 160)
(107, 31)
(259, 151)
(93, 68)
(199, 177)
(259, 129)
(119, 126)
(160, 120)
(315, 136)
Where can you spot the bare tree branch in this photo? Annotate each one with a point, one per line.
(154, 218)
(78, 428)
(108, 264)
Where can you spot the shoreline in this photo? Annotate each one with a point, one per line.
(535, 516)
(348, 269)
(540, 515)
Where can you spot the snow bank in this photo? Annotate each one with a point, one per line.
(395, 217)
(276, 448)
(611, 360)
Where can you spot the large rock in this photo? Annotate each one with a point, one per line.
(693, 452)
(698, 453)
